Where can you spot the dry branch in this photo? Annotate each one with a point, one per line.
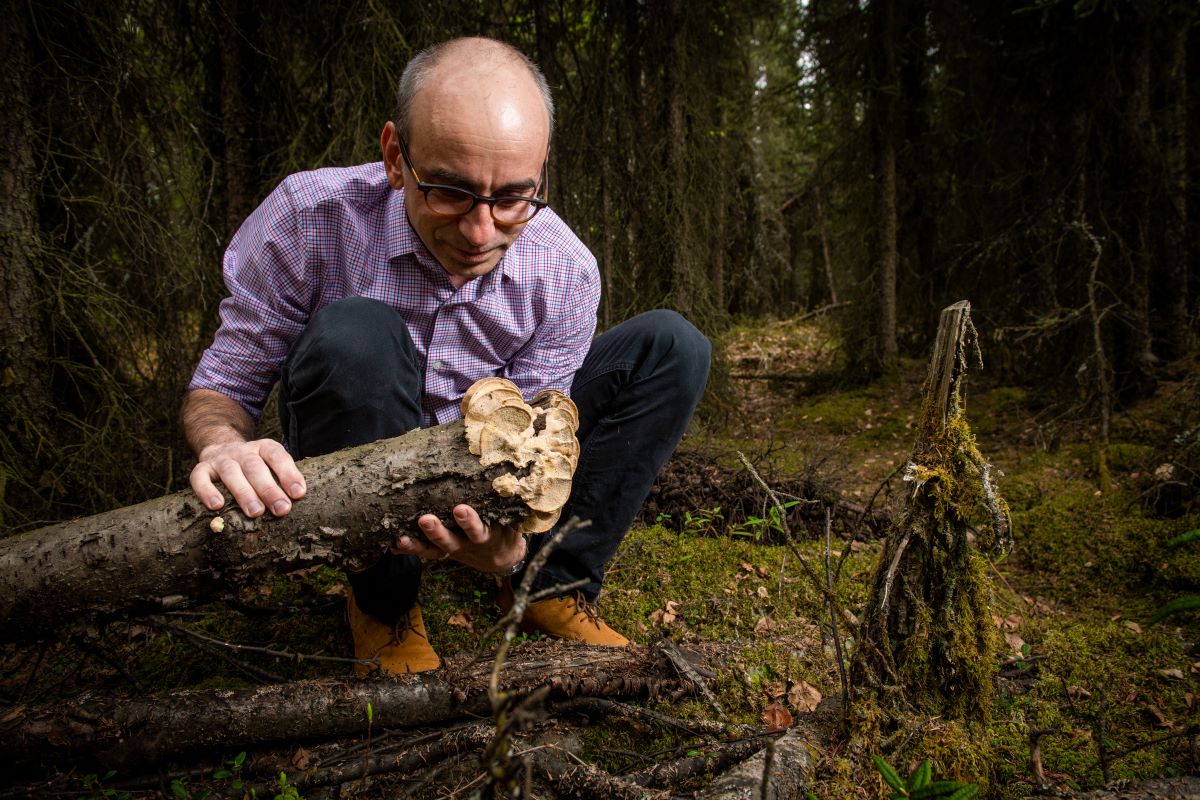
(118, 734)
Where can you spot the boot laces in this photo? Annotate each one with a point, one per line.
(588, 609)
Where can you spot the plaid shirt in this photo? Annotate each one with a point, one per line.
(339, 232)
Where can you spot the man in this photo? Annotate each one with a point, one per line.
(378, 294)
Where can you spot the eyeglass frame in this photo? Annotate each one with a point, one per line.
(538, 203)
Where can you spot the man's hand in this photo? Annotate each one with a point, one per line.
(252, 472)
(493, 550)
(219, 431)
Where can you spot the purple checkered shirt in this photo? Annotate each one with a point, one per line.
(340, 232)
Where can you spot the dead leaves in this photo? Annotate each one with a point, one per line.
(666, 615)
(776, 716)
(461, 619)
(801, 696)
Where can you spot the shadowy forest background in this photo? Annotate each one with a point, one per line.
(739, 160)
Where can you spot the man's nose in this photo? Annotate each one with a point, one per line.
(477, 225)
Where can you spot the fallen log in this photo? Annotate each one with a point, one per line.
(782, 772)
(171, 550)
(123, 733)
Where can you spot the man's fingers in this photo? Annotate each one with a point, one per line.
(204, 488)
(281, 463)
(471, 524)
(262, 482)
(231, 474)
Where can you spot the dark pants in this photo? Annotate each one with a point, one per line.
(353, 378)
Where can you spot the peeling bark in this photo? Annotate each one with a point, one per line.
(164, 552)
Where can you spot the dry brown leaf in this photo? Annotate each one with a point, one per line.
(1014, 641)
(1133, 626)
(337, 590)
(460, 619)
(775, 689)
(1160, 719)
(764, 625)
(763, 592)
(804, 697)
(762, 572)
(1190, 699)
(1078, 693)
(1012, 622)
(301, 758)
(1174, 674)
(776, 716)
(748, 567)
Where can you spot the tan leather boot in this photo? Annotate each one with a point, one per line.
(564, 618)
(401, 647)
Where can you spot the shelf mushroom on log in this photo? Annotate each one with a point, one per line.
(510, 460)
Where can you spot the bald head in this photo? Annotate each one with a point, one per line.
(466, 69)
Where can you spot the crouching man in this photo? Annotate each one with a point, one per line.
(377, 294)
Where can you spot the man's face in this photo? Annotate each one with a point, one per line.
(485, 132)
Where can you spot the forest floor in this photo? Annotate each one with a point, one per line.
(1114, 696)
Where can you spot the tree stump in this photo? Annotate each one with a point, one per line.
(928, 644)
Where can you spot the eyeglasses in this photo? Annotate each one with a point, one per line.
(454, 201)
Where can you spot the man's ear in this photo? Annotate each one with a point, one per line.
(393, 161)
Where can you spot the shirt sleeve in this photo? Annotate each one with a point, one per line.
(267, 272)
(557, 349)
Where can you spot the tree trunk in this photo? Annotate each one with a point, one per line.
(1175, 289)
(164, 552)
(681, 213)
(23, 353)
(236, 115)
(124, 733)
(886, 119)
(928, 631)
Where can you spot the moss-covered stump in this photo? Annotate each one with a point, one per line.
(928, 645)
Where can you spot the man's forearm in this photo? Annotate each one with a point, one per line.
(210, 418)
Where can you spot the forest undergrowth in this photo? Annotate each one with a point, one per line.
(1089, 691)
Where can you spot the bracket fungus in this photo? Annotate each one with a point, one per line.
(537, 439)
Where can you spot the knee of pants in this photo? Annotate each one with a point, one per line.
(682, 348)
(348, 339)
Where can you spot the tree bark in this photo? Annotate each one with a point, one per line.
(1175, 245)
(886, 119)
(23, 372)
(119, 734)
(784, 774)
(165, 552)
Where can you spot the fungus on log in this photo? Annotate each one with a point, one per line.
(511, 461)
(928, 640)
(537, 439)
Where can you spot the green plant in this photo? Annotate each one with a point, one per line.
(234, 773)
(286, 790)
(93, 786)
(1188, 602)
(758, 527)
(920, 783)
(704, 522)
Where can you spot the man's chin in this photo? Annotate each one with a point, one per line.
(466, 265)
